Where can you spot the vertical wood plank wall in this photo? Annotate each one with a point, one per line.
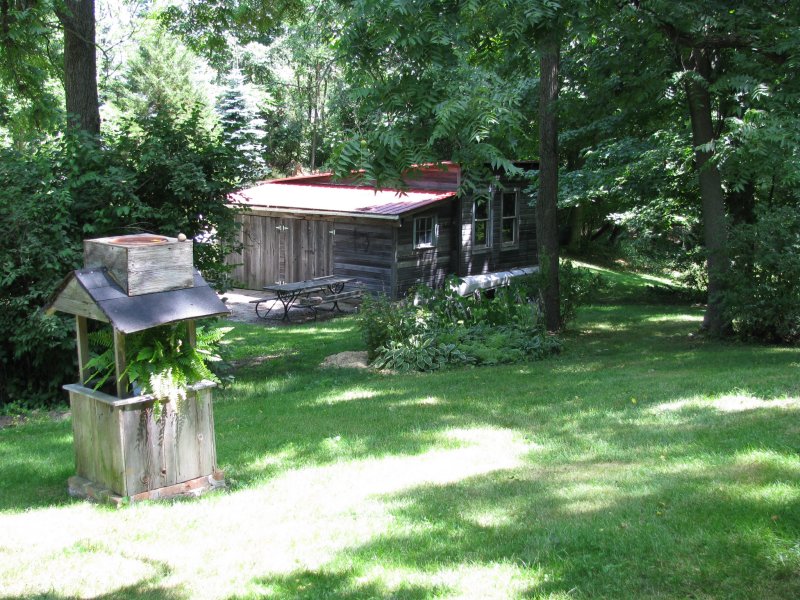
(380, 256)
(281, 249)
(124, 449)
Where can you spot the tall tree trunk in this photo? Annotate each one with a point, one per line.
(549, 45)
(80, 65)
(711, 193)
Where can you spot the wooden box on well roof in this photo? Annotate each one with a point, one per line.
(142, 264)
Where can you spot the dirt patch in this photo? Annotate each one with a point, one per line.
(254, 361)
(347, 360)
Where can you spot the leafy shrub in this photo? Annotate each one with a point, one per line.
(182, 174)
(382, 321)
(577, 287)
(762, 291)
(419, 353)
(162, 175)
(43, 222)
(433, 329)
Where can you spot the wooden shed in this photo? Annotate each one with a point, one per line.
(311, 226)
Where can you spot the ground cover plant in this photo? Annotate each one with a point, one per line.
(432, 329)
(641, 462)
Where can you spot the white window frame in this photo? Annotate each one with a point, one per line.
(503, 218)
(489, 223)
(434, 230)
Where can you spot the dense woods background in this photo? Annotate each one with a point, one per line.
(668, 134)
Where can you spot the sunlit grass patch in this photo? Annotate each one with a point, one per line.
(347, 396)
(737, 402)
(682, 318)
(421, 401)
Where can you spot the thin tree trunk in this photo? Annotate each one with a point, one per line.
(80, 65)
(712, 197)
(315, 119)
(575, 229)
(547, 203)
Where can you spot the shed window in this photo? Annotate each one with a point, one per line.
(482, 222)
(425, 232)
(510, 217)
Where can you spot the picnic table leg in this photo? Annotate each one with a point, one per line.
(335, 289)
(287, 300)
(267, 310)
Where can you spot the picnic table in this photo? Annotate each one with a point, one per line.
(309, 294)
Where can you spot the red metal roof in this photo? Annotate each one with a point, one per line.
(294, 195)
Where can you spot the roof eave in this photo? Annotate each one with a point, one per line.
(321, 213)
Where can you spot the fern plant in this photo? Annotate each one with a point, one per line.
(160, 361)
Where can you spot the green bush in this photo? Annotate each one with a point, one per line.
(419, 353)
(163, 176)
(182, 173)
(577, 287)
(762, 291)
(44, 217)
(433, 329)
(382, 321)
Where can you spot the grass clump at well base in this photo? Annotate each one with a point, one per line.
(643, 461)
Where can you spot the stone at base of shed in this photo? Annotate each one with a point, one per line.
(79, 487)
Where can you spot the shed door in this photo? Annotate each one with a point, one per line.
(277, 249)
(305, 249)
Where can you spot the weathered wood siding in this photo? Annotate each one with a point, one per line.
(367, 252)
(74, 300)
(143, 269)
(474, 261)
(282, 249)
(426, 265)
(121, 447)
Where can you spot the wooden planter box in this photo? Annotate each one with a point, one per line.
(122, 453)
(139, 267)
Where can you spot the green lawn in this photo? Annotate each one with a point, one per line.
(642, 462)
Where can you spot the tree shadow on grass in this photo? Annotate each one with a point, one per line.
(132, 592)
(354, 416)
(373, 417)
(596, 529)
(289, 411)
(705, 505)
(312, 585)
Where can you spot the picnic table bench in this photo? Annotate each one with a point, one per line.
(309, 294)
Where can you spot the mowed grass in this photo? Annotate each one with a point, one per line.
(643, 462)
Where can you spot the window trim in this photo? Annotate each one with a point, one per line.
(434, 233)
(515, 242)
(489, 224)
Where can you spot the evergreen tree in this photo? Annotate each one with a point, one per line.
(159, 78)
(242, 126)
